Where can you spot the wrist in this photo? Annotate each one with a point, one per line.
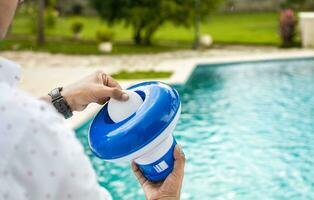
(68, 97)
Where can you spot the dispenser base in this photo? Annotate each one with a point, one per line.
(160, 169)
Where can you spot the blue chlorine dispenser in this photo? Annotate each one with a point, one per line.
(139, 129)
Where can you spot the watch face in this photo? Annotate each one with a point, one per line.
(55, 94)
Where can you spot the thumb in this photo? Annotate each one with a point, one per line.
(104, 92)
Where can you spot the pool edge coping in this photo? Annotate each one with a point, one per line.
(183, 69)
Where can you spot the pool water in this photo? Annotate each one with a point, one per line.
(247, 130)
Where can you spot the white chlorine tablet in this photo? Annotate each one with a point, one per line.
(120, 110)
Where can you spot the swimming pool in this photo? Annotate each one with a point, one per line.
(247, 130)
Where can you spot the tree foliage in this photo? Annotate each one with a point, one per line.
(294, 4)
(146, 16)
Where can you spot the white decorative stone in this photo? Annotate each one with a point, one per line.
(307, 29)
(105, 47)
(206, 41)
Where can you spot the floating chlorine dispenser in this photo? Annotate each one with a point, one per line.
(139, 129)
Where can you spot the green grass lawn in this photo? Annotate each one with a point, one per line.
(247, 28)
(141, 74)
(67, 46)
(233, 28)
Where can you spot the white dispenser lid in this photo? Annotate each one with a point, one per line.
(120, 110)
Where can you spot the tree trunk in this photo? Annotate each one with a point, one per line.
(151, 29)
(41, 23)
(137, 37)
(147, 41)
(149, 35)
(9, 30)
(196, 25)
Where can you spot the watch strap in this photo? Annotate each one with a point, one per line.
(60, 103)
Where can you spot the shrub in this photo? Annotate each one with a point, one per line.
(51, 16)
(288, 23)
(104, 35)
(77, 27)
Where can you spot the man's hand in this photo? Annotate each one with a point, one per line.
(170, 188)
(98, 87)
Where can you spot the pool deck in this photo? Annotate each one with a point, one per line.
(50, 71)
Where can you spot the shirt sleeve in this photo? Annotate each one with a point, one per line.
(42, 157)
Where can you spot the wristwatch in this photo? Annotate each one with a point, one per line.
(60, 103)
